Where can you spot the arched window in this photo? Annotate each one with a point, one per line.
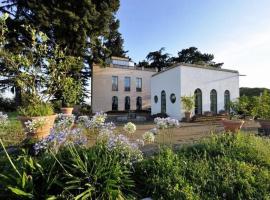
(127, 103)
(114, 103)
(163, 102)
(213, 101)
(227, 100)
(139, 103)
(198, 101)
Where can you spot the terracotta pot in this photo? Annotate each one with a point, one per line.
(42, 131)
(188, 116)
(265, 123)
(232, 125)
(67, 111)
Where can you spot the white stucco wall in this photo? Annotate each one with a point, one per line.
(169, 81)
(206, 80)
(184, 80)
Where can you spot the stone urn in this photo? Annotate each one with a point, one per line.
(42, 130)
(264, 123)
(188, 116)
(232, 125)
(67, 110)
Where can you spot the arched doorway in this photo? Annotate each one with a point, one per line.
(213, 101)
(198, 101)
(227, 100)
(114, 103)
(163, 102)
(127, 103)
(139, 103)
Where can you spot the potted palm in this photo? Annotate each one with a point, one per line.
(188, 105)
(71, 94)
(37, 70)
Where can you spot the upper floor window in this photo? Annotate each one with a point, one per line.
(115, 83)
(127, 83)
(138, 84)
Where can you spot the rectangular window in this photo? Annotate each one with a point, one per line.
(127, 83)
(138, 84)
(115, 83)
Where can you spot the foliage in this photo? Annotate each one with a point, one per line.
(158, 59)
(71, 92)
(42, 109)
(243, 106)
(87, 29)
(39, 70)
(72, 173)
(251, 92)
(262, 106)
(192, 55)
(221, 167)
(188, 103)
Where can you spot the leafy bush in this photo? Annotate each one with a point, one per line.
(262, 106)
(188, 103)
(243, 106)
(72, 173)
(222, 167)
(34, 110)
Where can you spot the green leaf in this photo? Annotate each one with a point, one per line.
(20, 192)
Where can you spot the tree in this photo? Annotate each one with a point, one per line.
(80, 27)
(192, 55)
(115, 42)
(158, 59)
(37, 69)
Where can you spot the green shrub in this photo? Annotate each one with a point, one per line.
(162, 177)
(221, 167)
(36, 110)
(73, 173)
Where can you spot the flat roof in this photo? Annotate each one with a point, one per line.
(119, 58)
(196, 66)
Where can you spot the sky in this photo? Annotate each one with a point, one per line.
(237, 32)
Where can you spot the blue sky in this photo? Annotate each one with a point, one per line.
(237, 32)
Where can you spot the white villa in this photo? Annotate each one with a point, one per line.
(213, 89)
(122, 86)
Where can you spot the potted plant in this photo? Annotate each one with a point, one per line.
(37, 70)
(188, 104)
(234, 124)
(71, 94)
(262, 110)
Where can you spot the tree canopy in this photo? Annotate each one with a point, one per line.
(191, 55)
(84, 28)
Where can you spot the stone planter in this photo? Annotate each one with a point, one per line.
(232, 125)
(67, 111)
(265, 123)
(43, 130)
(188, 116)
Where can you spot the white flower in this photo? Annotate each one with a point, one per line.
(130, 128)
(32, 126)
(148, 137)
(163, 123)
(64, 121)
(3, 119)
